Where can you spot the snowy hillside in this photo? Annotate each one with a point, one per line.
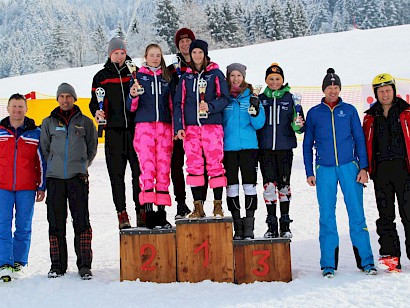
(357, 56)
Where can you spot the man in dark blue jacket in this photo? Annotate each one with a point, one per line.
(333, 128)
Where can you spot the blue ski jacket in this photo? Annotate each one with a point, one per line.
(239, 126)
(336, 134)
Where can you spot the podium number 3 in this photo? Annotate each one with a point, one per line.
(262, 261)
(145, 266)
(205, 247)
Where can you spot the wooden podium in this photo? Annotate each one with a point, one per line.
(204, 250)
(262, 260)
(149, 255)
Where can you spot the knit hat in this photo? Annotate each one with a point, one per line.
(274, 69)
(183, 33)
(66, 88)
(236, 67)
(116, 43)
(331, 79)
(199, 44)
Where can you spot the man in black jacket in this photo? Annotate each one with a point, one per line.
(114, 78)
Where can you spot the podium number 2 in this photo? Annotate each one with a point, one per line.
(205, 247)
(262, 261)
(145, 266)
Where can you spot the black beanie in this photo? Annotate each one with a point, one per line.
(274, 68)
(331, 79)
(199, 44)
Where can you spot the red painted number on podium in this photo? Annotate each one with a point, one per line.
(205, 247)
(145, 266)
(262, 261)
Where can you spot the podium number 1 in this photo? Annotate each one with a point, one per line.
(145, 266)
(205, 247)
(262, 261)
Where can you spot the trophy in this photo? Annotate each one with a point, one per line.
(202, 88)
(133, 69)
(254, 101)
(100, 93)
(177, 64)
(298, 107)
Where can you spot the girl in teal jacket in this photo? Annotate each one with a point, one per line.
(241, 118)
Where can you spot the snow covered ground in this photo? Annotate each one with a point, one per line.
(357, 56)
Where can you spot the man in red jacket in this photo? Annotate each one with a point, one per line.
(22, 181)
(386, 127)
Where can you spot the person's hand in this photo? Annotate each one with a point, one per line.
(203, 106)
(362, 177)
(99, 115)
(134, 90)
(181, 134)
(311, 180)
(40, 195)
(299, 121)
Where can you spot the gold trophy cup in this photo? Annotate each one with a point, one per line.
(133, 69)
(202, 88)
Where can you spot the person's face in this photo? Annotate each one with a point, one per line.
(198, 56)
(153, 57)
(274, 82)
(66, 101)
(118, 57)
(331, 94)
(183, 46)
(385, 95)
(236, 78)
(17, 109)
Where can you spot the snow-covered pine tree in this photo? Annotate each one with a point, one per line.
(214, 25)
(167, 23)
(393, 17)
(230, 26)
(99, 43)
(374, 14)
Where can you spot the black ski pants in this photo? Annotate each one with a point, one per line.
(75, 190)
(119, 150)
(276, 166)
(246, 161)
(392, 180)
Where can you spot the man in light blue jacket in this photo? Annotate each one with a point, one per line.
(333, 128)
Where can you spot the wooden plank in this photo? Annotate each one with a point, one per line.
(262, 260)
(149, 255)
(204, 250)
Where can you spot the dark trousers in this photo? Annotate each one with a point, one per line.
(177, 174)
(75, 190)
(119, 150)
(177, 171)
(276, 166)
(246, 161)
(392, 180)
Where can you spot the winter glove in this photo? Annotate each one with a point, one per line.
(254, 107)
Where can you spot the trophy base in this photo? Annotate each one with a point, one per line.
(203, 115)
(140, 91)
(102, 122)
(252, 110)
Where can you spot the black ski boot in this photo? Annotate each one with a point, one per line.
(150, 216)
(238, 228)
(161, 219)
(248, 227)
(272, 222)
(284, 222)
(182, 211)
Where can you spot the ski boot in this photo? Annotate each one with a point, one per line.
(55, 273)
(218, 212)
(238, 228)
(284, 222)
(272, 222)
(248, 227)
(18, 270)
(162, 222)
(123, 220)
(141, 217)
(6, 272)
(182, 211)
(151, 216)
(198, 211)
(390, 264)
